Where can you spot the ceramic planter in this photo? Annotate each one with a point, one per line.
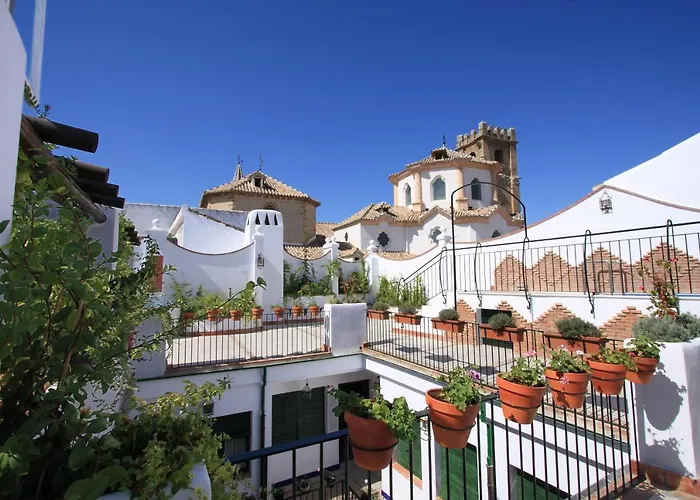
(607, 379)
(407, 319)
(279, 312)
(447, 325)
(214, 314)
(519, 402)
(508, 334)
(297, 311)
(645, 370)
(313, 310)
(589, 345)
(570, 394)
(188, 316)
(235, 314)
(374, 314)
(372, 442)
(257, 312)
(451, 426)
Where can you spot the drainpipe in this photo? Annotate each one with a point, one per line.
(490, 471)
(263, 462)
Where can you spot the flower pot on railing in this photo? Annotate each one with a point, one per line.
(257, 312)
(188, 315)
(214, 314)
(279, 312)
(645, 370)
(235, 314)
(297, 311)
(451, 426)
(507, 334)
(589, 345)
(375, 314)
(408, 319)
(313, 310)
(568, 389)
(372, 442)
(448, 325)
(519, 402)
(607, 378)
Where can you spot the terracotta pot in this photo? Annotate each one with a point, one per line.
(372, 442)
(519, 402)
(374, 314)
(188, 315)
(447, 325)
(407, 319)
(645, 370)
(297, 311)
(589, 345)
(235, 314)
(508, 334)
(279, 312)
(313, 310)
(257, 312)
(451, 426)
(571, 394)
(214, 314)
(607, 379)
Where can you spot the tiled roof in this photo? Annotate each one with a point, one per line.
(270, 186)
(325, 228)
(396, 255)
(316, 251)
(404, 214)
(445, 154)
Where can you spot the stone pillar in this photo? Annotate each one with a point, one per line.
(461, 202)
(417, 193)
(373, 267)
(332, 245)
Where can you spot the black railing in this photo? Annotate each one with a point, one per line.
(230, 339)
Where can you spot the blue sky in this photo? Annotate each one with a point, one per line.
(338, 95)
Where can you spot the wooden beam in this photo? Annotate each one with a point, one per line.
(32, 144)
(63, 135)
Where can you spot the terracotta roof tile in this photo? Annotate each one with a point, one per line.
(270, 186)
(445, 154)
(325, 228)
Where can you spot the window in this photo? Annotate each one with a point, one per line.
(383, 239)
(257, 181)
(495, 234)
(438, 189)
(404, 458)
(476, 189)
(237, 428)
(296, 415)
(407, 194)
(498, 156)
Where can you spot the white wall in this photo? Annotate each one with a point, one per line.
(397, 236)
(354, 233)
(203, 235)
(13, 60)
(428, 177)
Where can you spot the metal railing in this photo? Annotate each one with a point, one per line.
(223, 339)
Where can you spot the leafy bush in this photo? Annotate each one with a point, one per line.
(397, 415)
(501, 321)
(682, 328)
(614, 357)
(407, 309)
(463, 388)
(394, 292)
(564, 361)
(449, 315)
(527, 370)
(334, 300)
(644, 347)
(576, 328)
(380, 306)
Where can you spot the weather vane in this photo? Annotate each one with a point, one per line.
(261, 163)
(444, 144)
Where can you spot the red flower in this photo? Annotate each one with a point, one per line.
(674, 260)
(646, 258)
(642, 288)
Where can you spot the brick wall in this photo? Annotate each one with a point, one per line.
(620, 326)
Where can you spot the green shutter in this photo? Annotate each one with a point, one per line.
(459, 459)
(311, 414)
(296, 415)
(403, 452)
(530, 488)
(284, 418)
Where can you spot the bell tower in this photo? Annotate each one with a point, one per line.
(496, 144)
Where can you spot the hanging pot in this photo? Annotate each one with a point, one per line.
(372, 442)
(607, 378)
(589, 345)
(519, 402)
(451, 426)
(645, 370)
(448, 325)
(297, 311)
(257, 312)
(235, 314)
(313, 310)
(507, 334)
(570, 394)
(407, 319)
(214, 314)
(279, 312)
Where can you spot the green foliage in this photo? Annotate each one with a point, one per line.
(449, 315)
(576, 328)
(644, 347)
(407, 309)
(302, 282)
(527, 370)
(334, 300)
(394, 292)
(380, 306)
(463, 388)
(501, 320)
(681, 328)
(397, 415)
(664, 301)
(357, 282)
(614, 357)
(564, 361)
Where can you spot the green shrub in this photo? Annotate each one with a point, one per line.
(407, 309)
(380, 306)
(683, 328)
(501, 321)
(463, 388)
(644, 347)
(614, 357)
(576, 328)
(449, 315)
(527, 370)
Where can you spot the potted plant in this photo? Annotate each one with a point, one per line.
(448, 321)
(313, 308)
(577, 335)
(297, 309)
(609, 369)
(568, 375)
(278, 493)
(374, 426)
(278, 310)
(407, 315)
(379, 310)
(188, 312)
(501, 326)
(453, 409)
(214, 314)
(522, 388)
(645, 354)
(256, 311)
(303, 484)
(235, 313)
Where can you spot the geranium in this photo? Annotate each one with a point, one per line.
(663, 297)
(563, 361)
(527, 370)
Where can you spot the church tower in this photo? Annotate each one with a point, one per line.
(496, 144)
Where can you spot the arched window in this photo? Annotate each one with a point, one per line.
(476, 189)
(472, 154)
(438, 189)
(498, 156)
(407, 194)
(496, 234)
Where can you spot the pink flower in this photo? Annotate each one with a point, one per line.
(646, 258)
(674, 260)
(563, 348)
(579, 353)
(531, 354)
(475, 375)
(564, 380)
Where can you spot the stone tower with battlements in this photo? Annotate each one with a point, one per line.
(497, 144)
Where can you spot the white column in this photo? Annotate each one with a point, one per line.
(333, 246)
(256, 271)
(373, 267)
